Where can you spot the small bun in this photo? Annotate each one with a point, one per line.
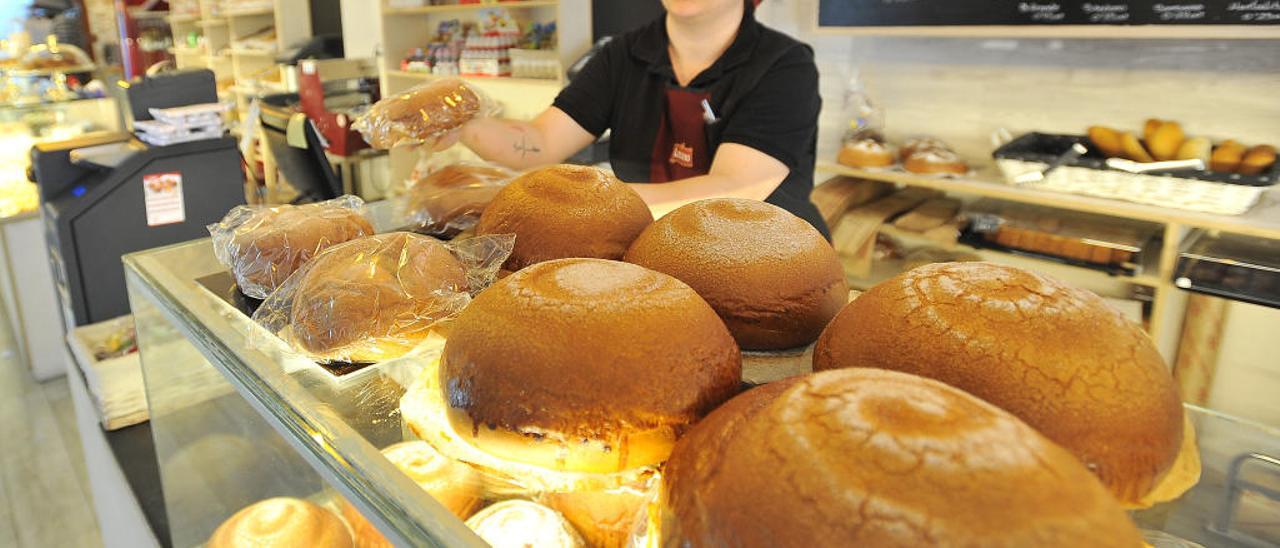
(1107, 140)
(562, 366)
(522, 524)
(1133, 149)
(275, 242)
(935, 161)
(772, 277)
(864, 457)
(281, 522)
(1056, 357)
(867, 153)
(566, 211)
(374, 298)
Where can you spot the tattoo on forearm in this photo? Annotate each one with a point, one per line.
(524, 147)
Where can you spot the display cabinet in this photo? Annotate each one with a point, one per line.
(235, 422)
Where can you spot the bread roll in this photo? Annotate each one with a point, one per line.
(566, 211)
(867, 153)
(772, 277)
(1150, 127)
(1227, 157)
(281, 522)
(1258, 160)
(524, 524)
(1164, 143)
(1133, 149)
(1196, 148)
(935, 161)
(272, 243)
(453, 197)
(918, 144)
(585, 365)
(420, 114)
(1059, 358)
(453, 484)
(606, 519)
(1107, 140)
(865, 457)
(375, 298)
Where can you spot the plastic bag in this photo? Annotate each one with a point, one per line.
(448, 199)
(423, 113)
(263, 246)
(378, 297)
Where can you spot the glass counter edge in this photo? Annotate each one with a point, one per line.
(326, 454)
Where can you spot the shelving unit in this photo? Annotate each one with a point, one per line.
(1263, 221)
(405, 28)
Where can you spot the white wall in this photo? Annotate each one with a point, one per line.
(962, 89)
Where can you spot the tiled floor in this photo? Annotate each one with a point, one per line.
(44, 490)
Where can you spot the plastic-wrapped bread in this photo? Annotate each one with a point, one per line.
(263, 246)
(424, 113)
(450, 199)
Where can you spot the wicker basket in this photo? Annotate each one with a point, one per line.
(1226, 194)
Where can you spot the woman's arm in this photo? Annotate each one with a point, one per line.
(737, 171)
(550, 138)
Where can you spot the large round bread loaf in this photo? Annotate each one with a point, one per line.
(565, 211)
(772, 277)
(865, 457)
(586, 365)
(1056, 357)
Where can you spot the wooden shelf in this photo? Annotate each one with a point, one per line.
(428, 76)
(218, 22)
(252, 52)
(471, 7)
(180, 19)
(1262, 221)
(187, 51)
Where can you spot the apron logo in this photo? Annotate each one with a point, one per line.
(682, 155)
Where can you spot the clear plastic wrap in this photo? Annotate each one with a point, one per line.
(376, 298)
(448, 199)
(263, 246)
(423, 113)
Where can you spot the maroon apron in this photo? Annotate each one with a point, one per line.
(680, 149)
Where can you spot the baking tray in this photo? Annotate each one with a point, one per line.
(1048, 147)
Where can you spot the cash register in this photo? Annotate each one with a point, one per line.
(106, 195)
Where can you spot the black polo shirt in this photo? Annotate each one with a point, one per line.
(763, 91)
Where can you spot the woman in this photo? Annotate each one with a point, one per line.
(705, 100)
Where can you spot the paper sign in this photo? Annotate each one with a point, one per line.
(163, 195)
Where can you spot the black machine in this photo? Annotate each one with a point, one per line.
(105, 196)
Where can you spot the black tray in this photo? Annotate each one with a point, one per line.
(1046, 148)
(1232, 267)
(224, 286)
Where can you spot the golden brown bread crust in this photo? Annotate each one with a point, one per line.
(772, 277)
(275, 242)
(374, 298)
(566, 211)
(866, 457)
(588, 349)
(281, 522)
(421, 114)
(1057, 357)
(605, 519)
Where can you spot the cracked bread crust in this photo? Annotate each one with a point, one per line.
(565, 211)
(770, 275)
(579, 350)
(1057, 357)
(879, 458)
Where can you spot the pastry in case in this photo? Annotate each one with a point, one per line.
(280, 523)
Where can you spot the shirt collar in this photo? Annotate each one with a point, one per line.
(651, 48)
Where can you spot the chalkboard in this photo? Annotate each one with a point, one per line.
(913, 13)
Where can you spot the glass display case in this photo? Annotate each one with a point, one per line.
(235, 422)
(25, 124)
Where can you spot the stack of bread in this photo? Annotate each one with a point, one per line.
(1164, 140)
